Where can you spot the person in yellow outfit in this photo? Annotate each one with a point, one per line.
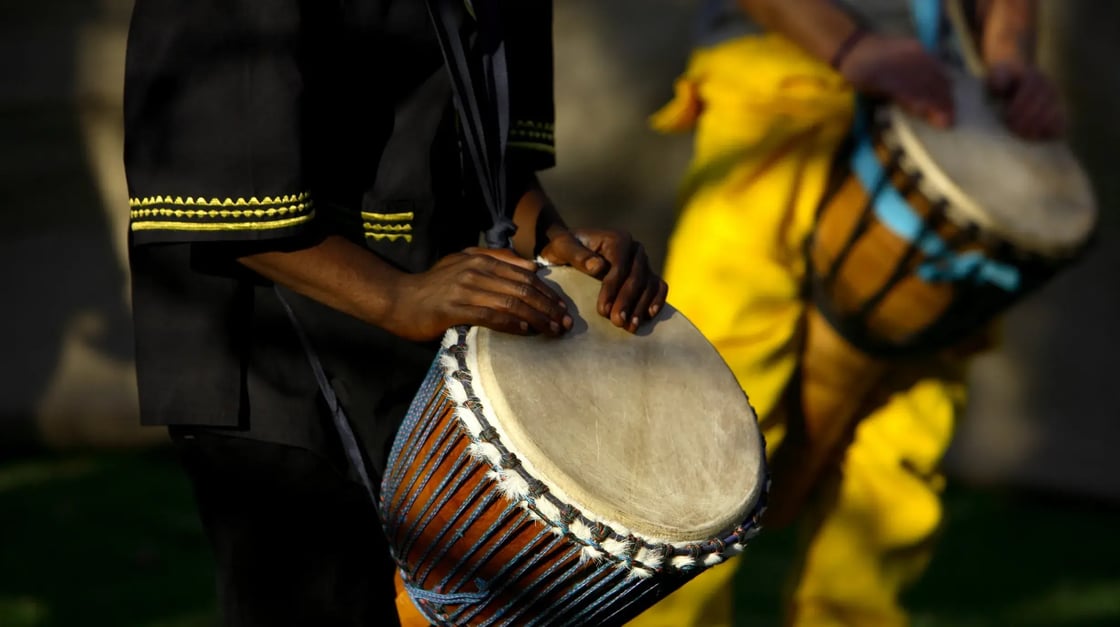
(770, 112)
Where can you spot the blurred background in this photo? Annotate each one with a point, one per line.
(97, 526)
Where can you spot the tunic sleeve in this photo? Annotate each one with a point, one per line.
(213, 121)
(530, 57)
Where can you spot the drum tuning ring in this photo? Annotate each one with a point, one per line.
(568, 513)
(537, 488)
(462, 375)
(600, 532)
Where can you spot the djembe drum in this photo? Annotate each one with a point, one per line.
(572, 480)
(929, 236)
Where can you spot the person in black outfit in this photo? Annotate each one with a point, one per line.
(307, 152)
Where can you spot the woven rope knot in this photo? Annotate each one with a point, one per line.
(600, 532)
(474, 404)
(462, 375)
(536, 487)
(509, 461)
(633, 545)
(568, 514)
(457, 350)
(694, 550)
(489, 434)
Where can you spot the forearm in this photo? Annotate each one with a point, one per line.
(536, 218)
(337, 273)
(1008, 31)
(818, 26)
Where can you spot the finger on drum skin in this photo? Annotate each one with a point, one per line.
(518, 309)
(641, 309)
(627, 305)
(659, 298)
(527, 293)
(1039, 107)
(612, 283)
(1026, 110)
(518, 274)
(930, 112)
(567, 249)
(1001, 80)
(504, 255)
(523, 311)
(499, 321)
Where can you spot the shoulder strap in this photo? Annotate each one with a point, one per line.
(480, 80)
(927, 20)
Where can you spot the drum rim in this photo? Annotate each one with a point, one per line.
(894, 128)
(550, 505)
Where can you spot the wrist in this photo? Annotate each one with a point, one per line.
(844, 49)
(390, 311)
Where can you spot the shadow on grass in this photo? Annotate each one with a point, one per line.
(105, 540)
(1004, 558)
(112, 540)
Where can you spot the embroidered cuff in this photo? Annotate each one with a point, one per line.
(177, 218)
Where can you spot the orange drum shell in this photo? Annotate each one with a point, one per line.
(912, 304)
(441, 457)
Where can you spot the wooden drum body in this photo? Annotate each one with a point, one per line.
(935, 232)
(927, 237)
(570, 481)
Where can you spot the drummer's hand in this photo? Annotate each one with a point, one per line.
(1032, 105)
(632, 292)
(899, 69)
(483, 287)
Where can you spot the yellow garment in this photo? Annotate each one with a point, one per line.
(768, 119)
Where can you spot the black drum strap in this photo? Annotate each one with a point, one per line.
(480, 81)
(338, 415)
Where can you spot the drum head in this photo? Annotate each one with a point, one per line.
(648, 431)
(1035, 195)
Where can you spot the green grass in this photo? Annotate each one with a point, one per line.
(101, 540)
(1003, 559)
(112, 540)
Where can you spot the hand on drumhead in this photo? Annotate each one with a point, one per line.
(482, 287)
(899, 69)
(1032, 105)
(632, 292)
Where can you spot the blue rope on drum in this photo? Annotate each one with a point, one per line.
(927, 22)
(895, 213)
(552, 578)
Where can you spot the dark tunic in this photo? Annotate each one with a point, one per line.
(256, 125)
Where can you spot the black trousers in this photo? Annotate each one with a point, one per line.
(295, 541)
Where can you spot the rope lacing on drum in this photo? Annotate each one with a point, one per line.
(462, 375)
(537, 488)
(629, 545)
(488, 435)
(568, 514)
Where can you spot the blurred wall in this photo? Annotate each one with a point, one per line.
(1041, 414)
(1043, 408)
(67, 377)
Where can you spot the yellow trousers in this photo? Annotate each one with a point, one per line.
(768, 120)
